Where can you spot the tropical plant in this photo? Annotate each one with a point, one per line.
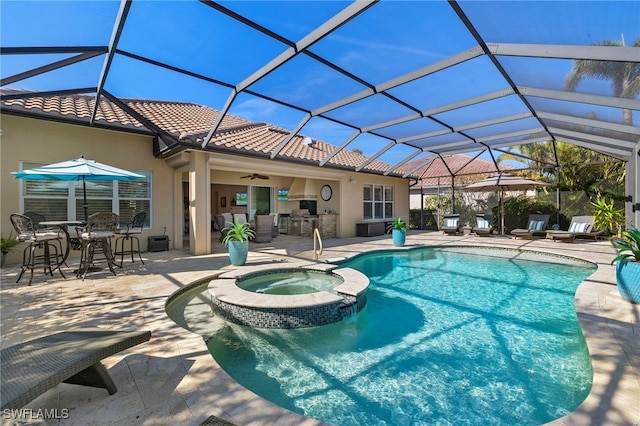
(606, 216)
(238, 232)
(396, 224)
(624, 76)
(628, 246)
(8, 244)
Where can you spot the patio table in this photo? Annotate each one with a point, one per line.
(62, 224)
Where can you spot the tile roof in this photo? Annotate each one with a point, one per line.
(188, 124)
(463, 166)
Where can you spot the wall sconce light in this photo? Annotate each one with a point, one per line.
(628, 199)
(352, 179)
(635, 207)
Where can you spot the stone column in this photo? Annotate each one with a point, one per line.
(199, 204)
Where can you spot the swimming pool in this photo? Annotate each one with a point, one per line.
(449, 336)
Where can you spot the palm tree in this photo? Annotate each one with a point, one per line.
(534, 156)
(624, 76)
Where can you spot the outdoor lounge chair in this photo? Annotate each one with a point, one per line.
(451, 224)
(483, 225)
(536, 227)
(580, 227)
(31, 368)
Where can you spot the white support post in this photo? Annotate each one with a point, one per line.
(199, 204)
(632, 188)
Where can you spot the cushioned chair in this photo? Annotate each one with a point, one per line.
(220, 225)
(130, 234)
(536, 227)
(42, 250)
(240, 218)
(580, 227)
(483, 225)
(228, 219)
(95, 238)
(36, 219)
(263, 225)
(451, 225)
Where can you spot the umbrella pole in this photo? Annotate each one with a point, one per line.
(84, 200)
(502, 211)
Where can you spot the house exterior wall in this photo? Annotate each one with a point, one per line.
(32, 140)
(41, 141)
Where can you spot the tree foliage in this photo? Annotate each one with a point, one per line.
(624, 76)
(581, 169)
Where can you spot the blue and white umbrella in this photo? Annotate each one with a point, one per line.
(79, 169)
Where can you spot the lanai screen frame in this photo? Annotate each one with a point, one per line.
(396, 108)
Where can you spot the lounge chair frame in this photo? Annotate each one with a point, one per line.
(483, 232)
(451, 230)
(31, 368)
(528, 233)
(571, 236)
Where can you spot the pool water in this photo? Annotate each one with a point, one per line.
(290, 282)
(448, 337)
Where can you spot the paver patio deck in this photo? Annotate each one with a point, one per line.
(172, 379)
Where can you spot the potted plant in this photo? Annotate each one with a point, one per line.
(398, 230)
(237, 240)
(606, 217)
(7, 245)
(628, 264)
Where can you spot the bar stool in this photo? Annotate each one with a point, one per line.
(45, 241)
(36, 218)
(129, 234)
(95, 238)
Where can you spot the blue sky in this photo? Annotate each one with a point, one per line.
(386, 41)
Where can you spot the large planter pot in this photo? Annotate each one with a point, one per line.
(238, 251)
(628, 279)
(398, 237)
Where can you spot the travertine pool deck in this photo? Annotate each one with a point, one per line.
(172, 379)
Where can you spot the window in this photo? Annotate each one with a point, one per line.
(377, 201)
(63, 200)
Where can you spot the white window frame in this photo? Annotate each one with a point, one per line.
(373, 201)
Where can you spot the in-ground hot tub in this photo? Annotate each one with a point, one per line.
(289, 282)
(289, 297)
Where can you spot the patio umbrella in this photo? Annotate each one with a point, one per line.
(79, 169)
(504, 182)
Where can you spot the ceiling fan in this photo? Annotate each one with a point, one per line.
(254, 176)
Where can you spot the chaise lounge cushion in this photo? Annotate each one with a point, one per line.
(451, 224)
(483, 225)
(536, 226)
